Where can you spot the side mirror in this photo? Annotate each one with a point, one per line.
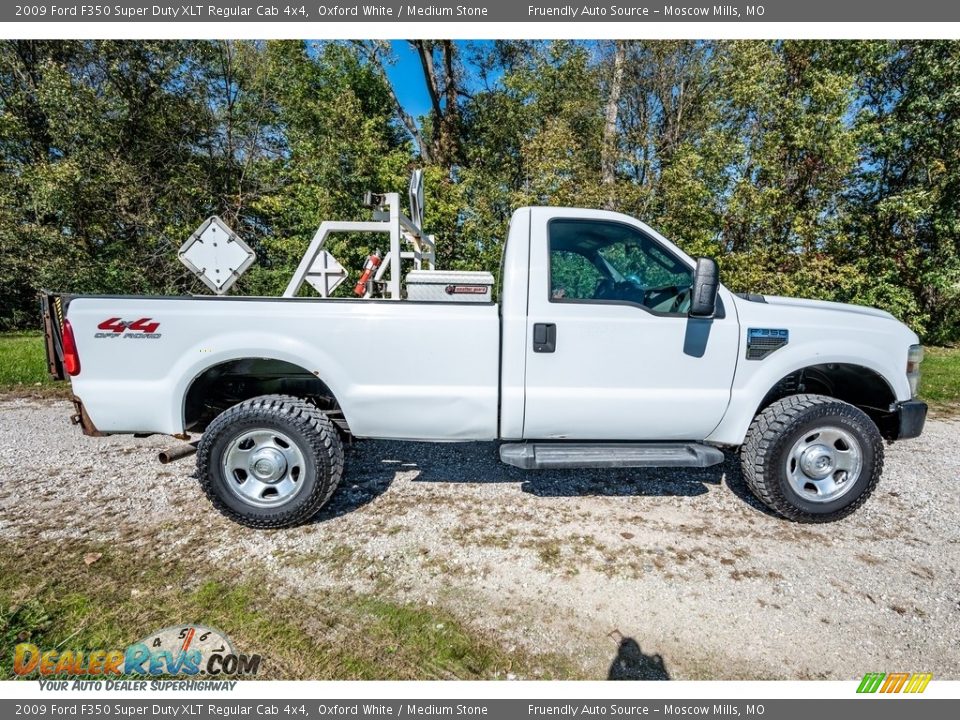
(706, 283)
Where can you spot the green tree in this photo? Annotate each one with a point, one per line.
(817, 168)
(905, 221)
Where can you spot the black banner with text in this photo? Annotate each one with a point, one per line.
(482, 11)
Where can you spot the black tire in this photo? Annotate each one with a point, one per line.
(307, 428)
(765, 455)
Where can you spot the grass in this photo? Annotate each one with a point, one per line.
(52, 599)
(23, 366)
(940, 376)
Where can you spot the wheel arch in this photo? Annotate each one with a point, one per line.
(856, 383)
(227, 382)
(852, 383)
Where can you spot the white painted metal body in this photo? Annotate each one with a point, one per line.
(400, 370)
(820, 333)
(621, 372)
(467, 371)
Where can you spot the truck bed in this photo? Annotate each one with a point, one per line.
(398, 370)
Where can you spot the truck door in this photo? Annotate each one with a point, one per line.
(611, 352)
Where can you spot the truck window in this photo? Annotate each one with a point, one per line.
(597, 261)
(572, 275)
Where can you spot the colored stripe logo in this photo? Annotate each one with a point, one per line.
(894, 682)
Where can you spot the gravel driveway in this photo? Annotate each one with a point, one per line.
(686, 563)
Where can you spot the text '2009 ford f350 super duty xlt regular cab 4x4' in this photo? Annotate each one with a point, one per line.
(609, 347)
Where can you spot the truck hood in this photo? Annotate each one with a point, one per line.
(826, 305)
(826, 317)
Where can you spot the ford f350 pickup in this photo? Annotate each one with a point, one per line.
(609, 347)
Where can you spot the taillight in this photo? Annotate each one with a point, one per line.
(71, 359)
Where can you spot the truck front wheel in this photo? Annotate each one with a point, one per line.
(812, 458)
(269, 462)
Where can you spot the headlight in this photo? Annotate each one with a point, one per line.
(914, 358)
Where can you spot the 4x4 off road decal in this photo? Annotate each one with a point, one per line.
(140, 328)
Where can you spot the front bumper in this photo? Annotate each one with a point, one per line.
(910, 416)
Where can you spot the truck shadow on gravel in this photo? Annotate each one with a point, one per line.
(374, 465)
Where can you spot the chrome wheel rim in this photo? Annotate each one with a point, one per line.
(824, 464)
(263, 467)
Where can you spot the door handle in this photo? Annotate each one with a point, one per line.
(544, 337)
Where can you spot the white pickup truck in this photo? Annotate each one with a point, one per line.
(610, 347)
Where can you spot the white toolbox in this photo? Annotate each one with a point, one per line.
(449, 286)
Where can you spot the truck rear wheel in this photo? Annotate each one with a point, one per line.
(812, 458)
(270, 462)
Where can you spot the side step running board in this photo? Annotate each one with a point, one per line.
(544, 455)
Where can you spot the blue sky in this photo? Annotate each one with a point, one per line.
(407, 79)
(406, 75)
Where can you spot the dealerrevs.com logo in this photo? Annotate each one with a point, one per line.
(181, 650)
(142, 328)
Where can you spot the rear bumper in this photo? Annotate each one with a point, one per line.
(910, 416)
(83, 420)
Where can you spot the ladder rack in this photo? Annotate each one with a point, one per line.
(315, 266)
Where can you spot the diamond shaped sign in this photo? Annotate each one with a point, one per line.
(325, 274)
(216, 255)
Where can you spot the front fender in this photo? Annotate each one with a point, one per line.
(755, 378)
